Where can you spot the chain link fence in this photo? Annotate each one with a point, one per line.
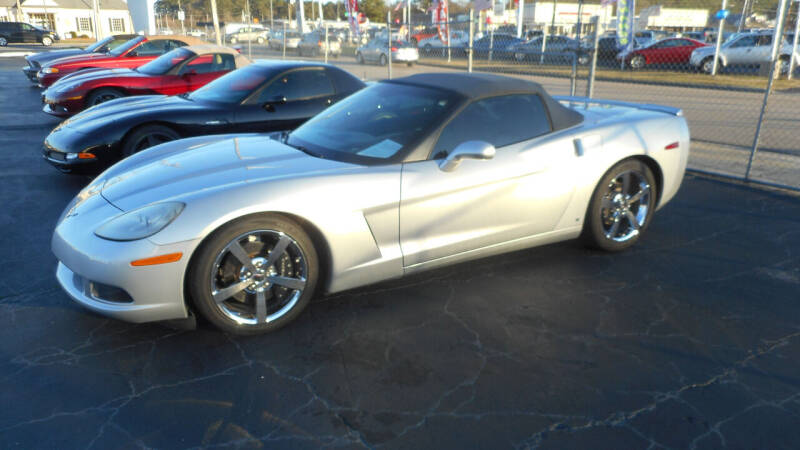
(731, 136)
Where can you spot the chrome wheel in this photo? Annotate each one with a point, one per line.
(152, 139)
(708, 65)
(637, 62)
(258, 277)
(625, 206)
(104, 97)
(46, 41)
(3, 41)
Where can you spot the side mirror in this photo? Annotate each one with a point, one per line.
(277, 100)
(470, 149)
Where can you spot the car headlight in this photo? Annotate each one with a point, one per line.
(50, 70)
(140, 223)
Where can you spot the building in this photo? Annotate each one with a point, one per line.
(143, 15)
(71, 18)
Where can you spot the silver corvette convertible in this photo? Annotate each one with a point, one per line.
(403, 176)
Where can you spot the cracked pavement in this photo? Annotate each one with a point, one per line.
(689, 340)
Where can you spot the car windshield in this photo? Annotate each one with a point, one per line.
(375, 125)
(92, 48)
(232, 87)
(165, 62)
(122, 49)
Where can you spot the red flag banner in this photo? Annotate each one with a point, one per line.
(440, 18)
(352, 15)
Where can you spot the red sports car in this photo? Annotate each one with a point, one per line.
(181, 70)
(134, 53)
(674, 51)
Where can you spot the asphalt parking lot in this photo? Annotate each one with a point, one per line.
(692, 339)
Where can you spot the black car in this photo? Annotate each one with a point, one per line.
(262, 97)
(37, 60)
(19, 32)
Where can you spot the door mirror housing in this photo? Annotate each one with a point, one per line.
(467, 150)
(277, 100)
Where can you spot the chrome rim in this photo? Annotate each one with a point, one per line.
(105, 97)
(258, 277)
(708, 66)
(3, 41)
(151, 140)
(625, 206)
(637, 62)
(46, 41)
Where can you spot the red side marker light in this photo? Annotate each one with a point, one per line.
(672, 146)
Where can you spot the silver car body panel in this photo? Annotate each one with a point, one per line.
(372, 223)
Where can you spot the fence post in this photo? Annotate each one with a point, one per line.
(719, 40)
(573, 76)
(389, 41)
(471, 36)
(491, 43)
(326, 43)
(793, 59)
(593, 66)
(284, 41)
(776, 45)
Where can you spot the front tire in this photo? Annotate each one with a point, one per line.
(707, 65)
(3, 41)
(621, 207)
(384, 60)
(254, 275)
(359, 58)
(47, 41)
(103, 95)
(638, 62)
(146, 137)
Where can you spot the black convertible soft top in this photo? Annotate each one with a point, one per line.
(480, 85)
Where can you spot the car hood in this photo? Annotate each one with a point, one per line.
(708, 49)
(181, 168)
(90, 75)
(82, 58)
(54, 54)
(122, 108)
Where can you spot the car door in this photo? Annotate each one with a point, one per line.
(740, 51)
(762, 49)
(28, 33)
(306, 91)
(523, 191)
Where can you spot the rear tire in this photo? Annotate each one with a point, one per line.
(267, 298)
(103, 95)
(359, 58)
(3, 41)
(146, 137)
(384, 60)
(621, 207)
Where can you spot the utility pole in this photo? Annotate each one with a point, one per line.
(98, 33)
(271, 17)
(19, 13)
(520, 15)
(215, 19)
(300, 14)
(744, 16)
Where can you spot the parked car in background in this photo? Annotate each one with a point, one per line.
(607, 48)
(745, 50)
(20, 32)
(425, 33)
(674, 52)
(277, 40)
(263, 96)
(434, 44)
(134, 53)
(315, 44)
(37, 60)
(551, 45)
(181, 70)
(196, 33)
(378, 50)
(248, 34)
(500, 44)
(403, 176)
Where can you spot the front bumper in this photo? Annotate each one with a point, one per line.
(55, 151)
(97, 273)
(31, 72)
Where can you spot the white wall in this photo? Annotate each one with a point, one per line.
(66, 19)
(143, 15)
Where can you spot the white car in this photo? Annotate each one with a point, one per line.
(458, 39)
(745, 49)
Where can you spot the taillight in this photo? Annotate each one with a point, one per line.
(320, 43)
(394, 49)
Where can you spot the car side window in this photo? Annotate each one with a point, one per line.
(298, 85)
(500, 121)
(747, 41)
(151, 48)
(765, 39)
